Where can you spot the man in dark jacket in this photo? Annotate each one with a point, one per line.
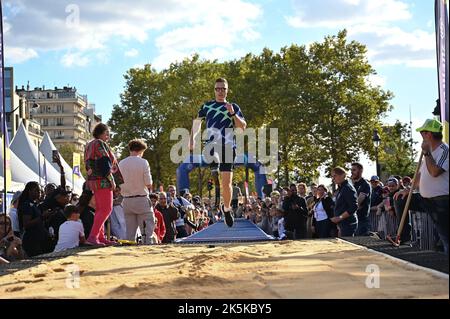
(297, 213)
(170, 215)
(346, 204)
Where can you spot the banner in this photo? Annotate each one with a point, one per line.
(442, 49)
(76, 165)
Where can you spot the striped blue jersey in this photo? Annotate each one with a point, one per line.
(219, 123)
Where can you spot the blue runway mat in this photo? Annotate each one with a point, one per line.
(242, 231)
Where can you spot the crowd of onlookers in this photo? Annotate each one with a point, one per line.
(117, 197)
(53, 219)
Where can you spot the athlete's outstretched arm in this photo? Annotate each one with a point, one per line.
(196, 128)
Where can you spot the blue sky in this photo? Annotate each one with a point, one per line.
(90, 44)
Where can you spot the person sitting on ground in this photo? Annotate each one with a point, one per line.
(71, 233)
(35, 239)
(54, 204)
(13, 214)
(10, 245)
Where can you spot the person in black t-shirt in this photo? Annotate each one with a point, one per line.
(364, 193)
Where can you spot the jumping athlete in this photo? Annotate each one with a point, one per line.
(221, 118)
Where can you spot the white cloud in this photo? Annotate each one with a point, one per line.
(75, 59)
(45, 25)
(346, 13)
(19, 55)
(371, 22)
(394, 46)
(132, 53)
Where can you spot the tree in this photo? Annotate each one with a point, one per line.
(66, 151)
(398, 154)
(339, 105)
(318, 97)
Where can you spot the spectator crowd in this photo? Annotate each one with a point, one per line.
(118, 205)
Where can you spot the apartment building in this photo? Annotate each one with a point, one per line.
(61, 113)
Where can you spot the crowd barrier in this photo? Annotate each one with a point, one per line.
(423, 233)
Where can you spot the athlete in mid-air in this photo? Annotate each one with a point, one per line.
(221, 118)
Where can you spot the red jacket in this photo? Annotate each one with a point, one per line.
(160, 227)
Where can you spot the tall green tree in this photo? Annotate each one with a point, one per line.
(340, 106)
(397, 152)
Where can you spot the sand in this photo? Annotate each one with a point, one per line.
(288, 270)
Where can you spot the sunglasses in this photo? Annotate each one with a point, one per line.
(220, 89)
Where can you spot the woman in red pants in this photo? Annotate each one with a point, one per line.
(103, 176)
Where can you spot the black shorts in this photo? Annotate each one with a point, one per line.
(225, 159)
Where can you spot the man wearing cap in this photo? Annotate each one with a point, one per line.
(433, 178)
(377, 191)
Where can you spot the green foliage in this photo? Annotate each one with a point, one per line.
(398, 153)
(66, 151)
(318, 97)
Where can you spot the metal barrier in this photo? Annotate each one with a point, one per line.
(423, 232)
(385, 224)
(424, 235)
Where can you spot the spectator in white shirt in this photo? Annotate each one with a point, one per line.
(135, 191)
(71, 233)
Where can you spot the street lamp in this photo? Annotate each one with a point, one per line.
(35, 106)
(437, 110)
(376, 142)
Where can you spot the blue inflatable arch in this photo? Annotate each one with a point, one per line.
(196, 161)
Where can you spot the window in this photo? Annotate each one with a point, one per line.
(60, 121)
(45, 122)
(60, 108)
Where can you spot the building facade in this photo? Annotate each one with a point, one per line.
(18, 110)
(61, 113)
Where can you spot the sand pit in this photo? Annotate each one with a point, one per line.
(288, 270)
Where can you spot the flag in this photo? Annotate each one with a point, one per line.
(45, 171)
(76, 165)
(5, 147)
(442, 50)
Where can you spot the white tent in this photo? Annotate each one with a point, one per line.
(22, 146)
(46, 149)
(20, 173)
